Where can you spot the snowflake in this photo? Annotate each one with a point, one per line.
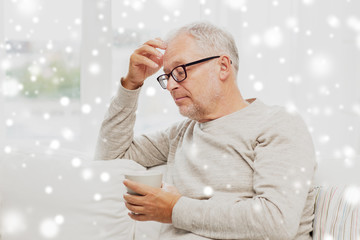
(358, 41)
(9, 122)
(77, 21)
(5, 64)
(166, 18)
(308, 2)
(67, 134)
(320, 66)
(98, 100)
(12, 222)
(349, 152)
(7, 149)
(46, 116)
(258, 86)
(87, 174)
(236, 4)
(257, 207)
(11, 87)
(141, 25)
(171, 5)
(207, 11)
(297, 185)
(94, 68)
(76, 162)
(348, 162)
(95, 52)
(356, 109)
(35, 20)
(49, 228)
(59, 219)
(353, 23)
(333, 21)
(68, 49)
(105, 177)
(48, 190)
(255, 40)
(86, 108)
(352, 195)
(150, 91)
(28, 7)
(273, 37)
(193, 151)
(292, 22)
(64, 101)
(324, 139)
(55, 144)
(208, 191)
(97, 197)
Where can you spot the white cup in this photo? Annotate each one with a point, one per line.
(150, 178)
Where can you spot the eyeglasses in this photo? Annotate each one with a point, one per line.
(179, 72)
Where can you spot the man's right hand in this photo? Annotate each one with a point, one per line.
(144, 62)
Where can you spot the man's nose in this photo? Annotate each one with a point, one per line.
(171, 84)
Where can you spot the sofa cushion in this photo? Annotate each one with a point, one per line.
(337, 213)
(63, 195)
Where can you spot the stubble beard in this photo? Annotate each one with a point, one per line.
(203, 105)
(192, 111)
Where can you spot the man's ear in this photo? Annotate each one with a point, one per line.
(225, 67)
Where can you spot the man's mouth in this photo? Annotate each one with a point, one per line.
(177, 99)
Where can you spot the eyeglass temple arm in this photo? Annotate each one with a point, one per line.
(202, 60)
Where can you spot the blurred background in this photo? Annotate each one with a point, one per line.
(61, 62)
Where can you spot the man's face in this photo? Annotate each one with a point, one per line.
(197, 95)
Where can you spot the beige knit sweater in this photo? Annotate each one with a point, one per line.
(247, 175)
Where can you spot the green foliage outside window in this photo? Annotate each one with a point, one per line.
(56, 79)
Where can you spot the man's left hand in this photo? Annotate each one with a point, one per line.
(155, 204)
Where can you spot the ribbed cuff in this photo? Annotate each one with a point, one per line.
(126, 98)
(183, 214)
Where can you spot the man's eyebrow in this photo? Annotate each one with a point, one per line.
(174, 64)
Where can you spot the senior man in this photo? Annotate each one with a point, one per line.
(240, 169)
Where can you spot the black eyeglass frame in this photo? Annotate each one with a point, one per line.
(184, 67)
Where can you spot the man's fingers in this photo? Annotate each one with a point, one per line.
(142, 60)
(133, 199)
(139, 188)
(138, 217)
(134, 208)
(148, 50)
(156, 43)
(159, 61)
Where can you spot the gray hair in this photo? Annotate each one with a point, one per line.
(211, 40)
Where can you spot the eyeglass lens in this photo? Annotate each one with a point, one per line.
(178, 74)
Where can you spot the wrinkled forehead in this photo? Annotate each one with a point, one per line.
(180, 50)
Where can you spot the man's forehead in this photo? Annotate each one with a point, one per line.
(179, 51)
(173, 60)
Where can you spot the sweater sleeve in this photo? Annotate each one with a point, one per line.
(284, 166)
(116, 136)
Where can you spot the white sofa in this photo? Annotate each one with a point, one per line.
(65, 195)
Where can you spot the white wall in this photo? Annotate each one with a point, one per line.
(95, 84)
(2, 76)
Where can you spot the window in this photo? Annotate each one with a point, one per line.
(41, 64)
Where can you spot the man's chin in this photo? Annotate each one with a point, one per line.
(184, 111)
(189, 112)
